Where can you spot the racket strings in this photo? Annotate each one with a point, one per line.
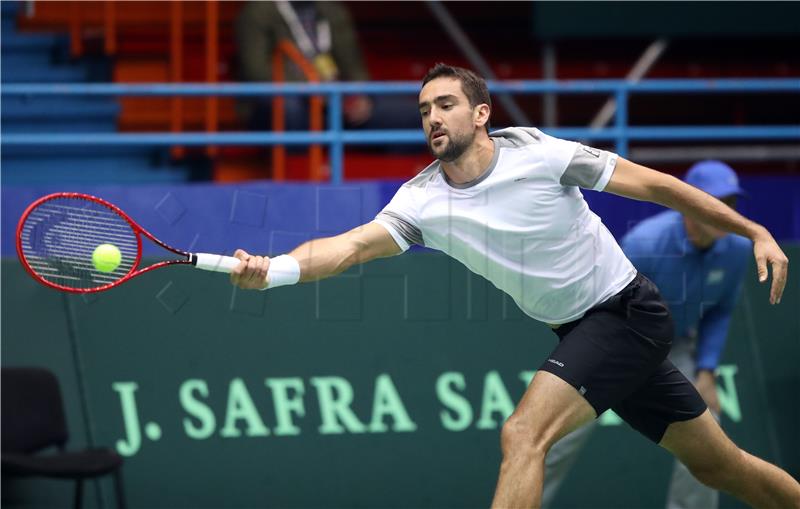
(59, 237)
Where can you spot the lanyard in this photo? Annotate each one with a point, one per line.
(299, 33)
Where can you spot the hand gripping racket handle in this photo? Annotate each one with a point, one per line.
(214, 262)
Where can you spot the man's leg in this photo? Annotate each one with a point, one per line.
(550, 409)
(559, 461)
(686, 492)
(717, 462)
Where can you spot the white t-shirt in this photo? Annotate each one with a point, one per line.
(523, 224)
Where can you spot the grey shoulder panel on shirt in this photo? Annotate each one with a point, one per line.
(514, 137)
(423, 177)
(408, 231)
(405, 228)
(585, 168)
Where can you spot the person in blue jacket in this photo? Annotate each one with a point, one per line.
(699, 270)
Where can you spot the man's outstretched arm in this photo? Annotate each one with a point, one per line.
(316, 259)
(641, 183)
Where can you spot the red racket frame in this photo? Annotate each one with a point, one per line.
(138, 231)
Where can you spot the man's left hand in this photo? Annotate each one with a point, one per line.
(767, 251)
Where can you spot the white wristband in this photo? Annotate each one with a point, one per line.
(283, 270)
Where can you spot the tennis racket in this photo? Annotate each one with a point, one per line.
(58, 234)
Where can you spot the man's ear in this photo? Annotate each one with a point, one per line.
(480, 115)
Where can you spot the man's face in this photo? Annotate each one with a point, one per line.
(447, 118)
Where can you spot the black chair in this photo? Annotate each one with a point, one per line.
(32, 420)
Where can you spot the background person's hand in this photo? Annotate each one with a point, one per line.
(357, 109)
(251, 274)
(706, 384)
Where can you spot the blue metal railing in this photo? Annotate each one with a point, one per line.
(336, 137)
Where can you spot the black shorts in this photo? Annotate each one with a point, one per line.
(616, 357)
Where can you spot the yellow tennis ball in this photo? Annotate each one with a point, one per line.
(106, 257)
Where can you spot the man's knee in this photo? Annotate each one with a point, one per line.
(721, 474)
(522, 438)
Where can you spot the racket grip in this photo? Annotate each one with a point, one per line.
(214, 262)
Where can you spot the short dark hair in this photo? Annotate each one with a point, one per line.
(472, 84)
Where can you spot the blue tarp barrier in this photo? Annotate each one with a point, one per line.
(268, 217)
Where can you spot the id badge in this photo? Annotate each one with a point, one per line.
(326, 67)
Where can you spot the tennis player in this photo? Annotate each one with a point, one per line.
(508, 206)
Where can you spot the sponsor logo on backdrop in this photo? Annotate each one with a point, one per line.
(333, 396)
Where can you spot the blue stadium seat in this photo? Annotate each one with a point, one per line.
(42, 58)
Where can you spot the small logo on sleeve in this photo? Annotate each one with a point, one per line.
(592, 151)
(557, 363)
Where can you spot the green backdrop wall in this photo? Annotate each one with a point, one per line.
(384, 387)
